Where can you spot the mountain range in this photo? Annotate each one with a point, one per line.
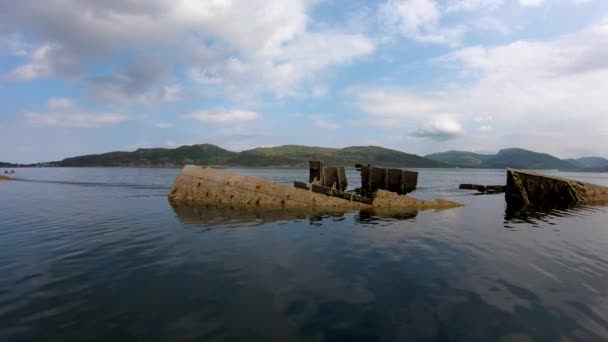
(518, 158)
(298, 156)
(281, 156)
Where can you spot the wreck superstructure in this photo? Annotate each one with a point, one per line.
(326, 188)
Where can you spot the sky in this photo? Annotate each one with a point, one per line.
(421, 76)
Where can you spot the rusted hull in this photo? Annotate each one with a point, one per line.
(536, 190)
(198, 185)
(206, 186)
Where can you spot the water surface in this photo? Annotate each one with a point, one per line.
(98, 254)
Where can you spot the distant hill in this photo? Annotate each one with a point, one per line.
(597, 163)
(460, 158)
(204, 154)
(523, 159)
(287, 156)
(516, 158)
(298, 156)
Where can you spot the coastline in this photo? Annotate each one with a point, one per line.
(290, 167)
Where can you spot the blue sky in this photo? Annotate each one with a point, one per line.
(421, 76)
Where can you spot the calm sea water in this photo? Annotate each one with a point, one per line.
(98, 254)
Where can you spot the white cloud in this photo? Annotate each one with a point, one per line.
(206, 76)
(38, 65)
(41, 61)
(172, 93)
(440, 128)
(60, 104)
(288, 66)
(322, 122)
(299, 60)
(472, 5)
(146, 81)
(391, 102)
(162, 125)
(238, 46)
(319, 90)
(483, 118)
(75, 120)
(534, 91)
(531, 3)
(419, 20)
(13, 45)
(223, 116)
(62, 112)
(492, 24)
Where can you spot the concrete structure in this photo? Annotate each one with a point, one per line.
(328, 176)
(393, 180)
(536, 190)
(197, 185)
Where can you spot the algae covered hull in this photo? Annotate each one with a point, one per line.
(197, 185)
(200, 185)
(536, 190)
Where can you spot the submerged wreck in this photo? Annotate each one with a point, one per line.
(381, 189)
(529, 189)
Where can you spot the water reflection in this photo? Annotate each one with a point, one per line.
(375, 216)
(107, 263)
(532, 215)
(209, 215)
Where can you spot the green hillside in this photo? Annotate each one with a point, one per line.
(460, 158)
(380, 156)
(204, 154)
(295, 155)
(288, 156)
(298, 156)
(516, 158)
(597, 163)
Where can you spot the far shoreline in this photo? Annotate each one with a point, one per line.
(266, 167)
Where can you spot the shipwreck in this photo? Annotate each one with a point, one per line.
(534, 190)
(381, 189)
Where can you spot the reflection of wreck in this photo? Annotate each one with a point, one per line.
(382, 189)
(210, 215)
